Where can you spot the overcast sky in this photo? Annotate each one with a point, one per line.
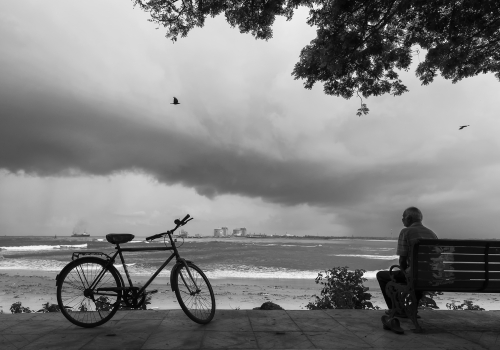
(88, 134)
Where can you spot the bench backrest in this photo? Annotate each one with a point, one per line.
(456, 265)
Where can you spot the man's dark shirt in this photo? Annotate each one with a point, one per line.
(410, 235)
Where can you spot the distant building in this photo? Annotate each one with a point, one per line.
(184, 234)
(218, 232)
(240, 231)
(221, 232)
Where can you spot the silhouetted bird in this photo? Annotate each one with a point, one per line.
(463, 126)
(176, 101)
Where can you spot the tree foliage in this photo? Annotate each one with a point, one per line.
(360, 45)
(342, 289)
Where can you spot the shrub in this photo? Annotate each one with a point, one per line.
(49, 308)
(428, 302)
(103, 304)
(342, 289)
(467, 305)
(17, 308)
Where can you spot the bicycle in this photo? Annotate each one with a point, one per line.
(90, 290)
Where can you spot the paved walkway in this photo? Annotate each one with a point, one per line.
(252, 329)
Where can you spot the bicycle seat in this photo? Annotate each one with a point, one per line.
(117, 238)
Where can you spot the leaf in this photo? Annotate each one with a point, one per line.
(362, 110)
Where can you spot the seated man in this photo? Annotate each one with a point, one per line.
(414, 230)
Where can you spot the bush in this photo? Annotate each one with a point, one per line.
(342, 289)
(17, 308)
(103, 304)
(467, 305)
(427, 301)
(49, 308)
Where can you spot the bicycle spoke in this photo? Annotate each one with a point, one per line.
(81, 305)
(195, 295)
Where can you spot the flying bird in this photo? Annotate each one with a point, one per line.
(463, 126)
(176, 101)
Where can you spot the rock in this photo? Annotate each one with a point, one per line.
(268, 305)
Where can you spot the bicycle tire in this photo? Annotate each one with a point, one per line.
(198, 306)
(77, 303)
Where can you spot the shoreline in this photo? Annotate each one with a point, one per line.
(34, 288)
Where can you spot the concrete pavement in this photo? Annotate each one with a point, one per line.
(253, 329)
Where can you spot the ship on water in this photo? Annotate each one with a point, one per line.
(80, 230)
(83, 234)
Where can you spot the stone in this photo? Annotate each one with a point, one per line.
(268, 305)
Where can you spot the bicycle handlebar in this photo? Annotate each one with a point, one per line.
(156, 236)
(177, 223)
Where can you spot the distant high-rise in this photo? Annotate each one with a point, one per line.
(218, 232)
(240, 231)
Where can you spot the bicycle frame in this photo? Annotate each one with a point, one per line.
(120, 250)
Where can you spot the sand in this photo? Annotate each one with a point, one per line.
(34, 288)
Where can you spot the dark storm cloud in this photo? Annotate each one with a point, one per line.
(47, 134)
(55, 134)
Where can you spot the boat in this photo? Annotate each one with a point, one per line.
(83, 234)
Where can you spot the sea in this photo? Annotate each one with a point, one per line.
(232, 257)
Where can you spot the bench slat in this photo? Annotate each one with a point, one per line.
(450, 275)
(457, 286)
(457, 249)
(450, 265)
(459, 243)
(429, 258)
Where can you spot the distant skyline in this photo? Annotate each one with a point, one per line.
(88, 134)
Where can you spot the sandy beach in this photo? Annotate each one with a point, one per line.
(34, 288)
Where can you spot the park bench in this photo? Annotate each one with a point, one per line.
(445, 265)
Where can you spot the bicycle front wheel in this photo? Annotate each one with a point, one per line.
(78, 294)
(195, 295)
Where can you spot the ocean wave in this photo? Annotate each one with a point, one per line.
(43, 247)
(375, 257)
(212, 272)
(32, 264)
(381, 240)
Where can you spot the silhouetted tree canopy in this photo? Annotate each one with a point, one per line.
(361, 44)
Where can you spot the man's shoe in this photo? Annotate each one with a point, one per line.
(392, 324)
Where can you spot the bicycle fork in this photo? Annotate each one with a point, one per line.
(190, 276)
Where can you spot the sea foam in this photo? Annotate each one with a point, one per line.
(43, 247)
(375, 257)
(212, 272)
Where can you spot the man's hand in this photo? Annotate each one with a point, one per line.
(403, 262)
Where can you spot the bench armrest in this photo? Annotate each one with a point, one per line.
(393, 279)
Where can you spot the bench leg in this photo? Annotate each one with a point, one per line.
(396, 292)
(411, 309)
(404, 301)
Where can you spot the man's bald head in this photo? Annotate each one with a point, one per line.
(411, 215)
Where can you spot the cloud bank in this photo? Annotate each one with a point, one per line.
(78, 102)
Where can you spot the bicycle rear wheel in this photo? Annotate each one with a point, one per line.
(197, 303)
(81, 305)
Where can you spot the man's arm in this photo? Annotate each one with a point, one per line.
(403, 262)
